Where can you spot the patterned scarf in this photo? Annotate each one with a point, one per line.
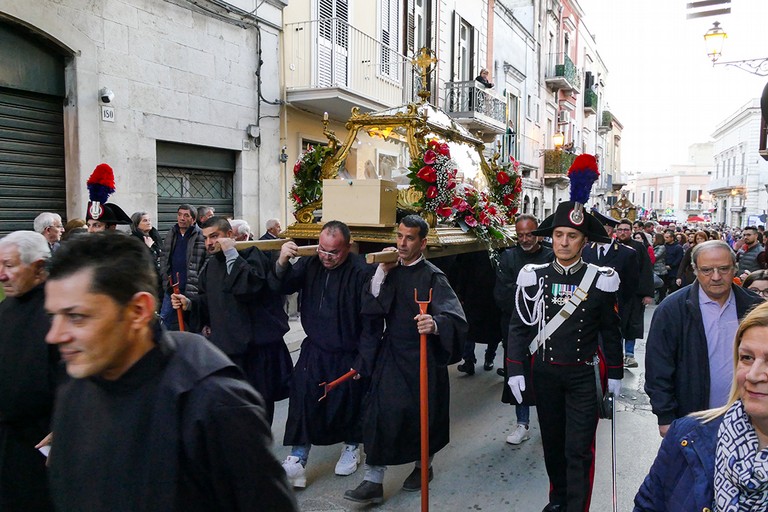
(741, 472)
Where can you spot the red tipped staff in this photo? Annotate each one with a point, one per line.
(329, 386)
(179, 311)
(424, 402)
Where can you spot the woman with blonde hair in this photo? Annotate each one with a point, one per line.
(718, 459)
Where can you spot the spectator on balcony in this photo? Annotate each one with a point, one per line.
(483, 78)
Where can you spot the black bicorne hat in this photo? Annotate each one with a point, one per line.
(570, 214)
(605, 220)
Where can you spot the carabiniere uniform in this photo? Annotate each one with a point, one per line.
(563, 317)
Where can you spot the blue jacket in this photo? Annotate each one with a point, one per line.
(681, 478)
(676, 357)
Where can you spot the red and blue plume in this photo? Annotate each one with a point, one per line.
(583, 174)
(101, 184)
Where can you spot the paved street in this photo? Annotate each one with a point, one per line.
(478, 470)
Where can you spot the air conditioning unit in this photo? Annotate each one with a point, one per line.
(563, 117)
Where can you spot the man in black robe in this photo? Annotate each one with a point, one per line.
(246, 317)
(390, 356)
(331, 286)
(28, 373)
(151, 420)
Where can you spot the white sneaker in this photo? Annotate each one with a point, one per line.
(519, 435)
(350, 458)
(297, 475)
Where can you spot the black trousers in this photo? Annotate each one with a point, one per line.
(567, 408)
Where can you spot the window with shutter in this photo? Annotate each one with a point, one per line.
(332, 42)
(390, 39)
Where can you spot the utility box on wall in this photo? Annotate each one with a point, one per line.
(360, 202)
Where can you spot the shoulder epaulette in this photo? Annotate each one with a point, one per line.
(527, 275)
(607, 279)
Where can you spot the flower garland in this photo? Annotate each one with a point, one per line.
(506, 186)
(476, 210)
(433, 173)
(307, 186)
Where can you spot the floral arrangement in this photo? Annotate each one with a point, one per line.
(433, 173)
(307, 185)
(506, 186)
(477, 211)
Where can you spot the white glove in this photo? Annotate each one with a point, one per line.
(517, 385)
(614, 386)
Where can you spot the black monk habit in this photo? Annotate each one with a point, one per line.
(391, 406)
(28, 375)
(179, 431)
(331, 302)
(247, 320)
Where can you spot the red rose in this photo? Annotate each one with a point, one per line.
(429, 157)
(444, 150)
(433, 144)
(492, 210)
(450, 185)
(297, 167)
(431, 192)
(444, 211)
(502, 178)
(507, 199)
(485, 220)
(471, 221)
(428, 174)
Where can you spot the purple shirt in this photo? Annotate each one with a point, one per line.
(720, 325)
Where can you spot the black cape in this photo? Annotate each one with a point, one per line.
(29, 372)
(206, 446)
(473, 277)
(247, 319)
(391, 406)
(331, 302)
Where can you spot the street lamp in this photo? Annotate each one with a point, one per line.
(558, 140)
(713, 40)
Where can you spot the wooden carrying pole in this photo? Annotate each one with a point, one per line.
(381, 257)
(275, 245)
(424, 403)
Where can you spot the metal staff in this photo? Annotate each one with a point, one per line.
(329, 386)
(179, 311)
(424, 402)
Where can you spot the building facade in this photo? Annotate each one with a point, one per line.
(191, 112)
(740, 176)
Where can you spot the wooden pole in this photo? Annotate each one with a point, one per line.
(264, 245)
(424, 403)
(180, 311)
(381, 257)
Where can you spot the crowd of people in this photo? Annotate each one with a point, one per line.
(147, 367)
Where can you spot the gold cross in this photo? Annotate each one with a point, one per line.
(423, 61)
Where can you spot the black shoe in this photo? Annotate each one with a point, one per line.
(552, 507)
(500, 372)
(488, 365)
(413, 482)
(367, 492)
(467, 367)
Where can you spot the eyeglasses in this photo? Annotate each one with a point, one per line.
(328, 254)
(763, 293)
(623, 229)
(708, 271)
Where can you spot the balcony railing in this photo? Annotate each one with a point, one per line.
(471, 100)
(693, 206)
(557, 162)
(562, 73)
(330, 53)
(590, 101)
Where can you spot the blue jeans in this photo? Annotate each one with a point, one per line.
(523, 413)
(629, 348)
(168, 315)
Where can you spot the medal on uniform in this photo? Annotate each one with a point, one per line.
(561, 293)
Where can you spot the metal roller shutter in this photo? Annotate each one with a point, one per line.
(31, 158)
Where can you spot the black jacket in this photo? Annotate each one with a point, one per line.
(676, 358)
